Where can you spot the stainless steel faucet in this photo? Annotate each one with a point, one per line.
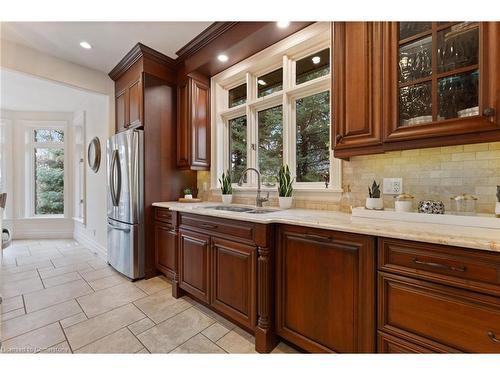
(259, 199)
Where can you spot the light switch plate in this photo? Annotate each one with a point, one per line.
(393, 186)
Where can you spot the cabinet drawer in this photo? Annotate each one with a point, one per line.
(477, 270)
(393, 345)
(164, 215)
(445, 318)
(239, 229)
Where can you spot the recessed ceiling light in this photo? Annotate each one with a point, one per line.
(316, 59)
(283, 24)
(222, 58)
(261, 82)
(85, 45)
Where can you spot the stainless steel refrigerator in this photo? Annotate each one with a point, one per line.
(125, 185)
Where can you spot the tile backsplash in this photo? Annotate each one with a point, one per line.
(432, 173)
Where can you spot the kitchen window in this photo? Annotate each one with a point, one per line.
(274, 109)
(46, 163)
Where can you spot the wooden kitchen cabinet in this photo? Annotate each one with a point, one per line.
(166, 249)
(325, 290)
(129, 103)
(357, 88)
(441, 83)
(193, 122)
(194, 264)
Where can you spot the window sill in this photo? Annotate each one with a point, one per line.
(45, 217)
(299, 190)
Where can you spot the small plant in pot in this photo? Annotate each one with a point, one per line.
(226, 188)
(497, 205)
(188, 193)
(285, 187)
(374, 202)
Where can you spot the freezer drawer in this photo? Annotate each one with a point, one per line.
(126, 248)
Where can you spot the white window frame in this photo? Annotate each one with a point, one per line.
(6, 142)
(282, 54)
(31, 145)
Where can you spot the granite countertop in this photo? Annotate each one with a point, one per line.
(469, 237)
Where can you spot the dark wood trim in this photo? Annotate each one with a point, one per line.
(138, 51)
(204, 38)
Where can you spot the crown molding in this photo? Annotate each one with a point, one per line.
(204, 38)
(138, 51)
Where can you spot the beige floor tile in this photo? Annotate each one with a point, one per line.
(223, 321)
(14, 303)
(110, 298)
(234, 342)
(175, 331)
(72, 320)
(198, 344)
(46, 273)
(153, 285)
(93, 329)
(16, 269)
(162, 306)
(12, 314)
(14, 288)
(122, 341)
(141, 326)
(98, 274)
(61, 348)
(143, 351)
(61, 279)
(57, 294)
(10, 277)
(65, 261)
(34, 259)
(37, 319)
(107, 282)
(283, 348)
(35, 341)
(215, 331)
(98, 263)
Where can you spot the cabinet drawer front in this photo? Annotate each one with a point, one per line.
(164, 215)
(474, 269)
(437, 316)
(194, 264)
(165, 249)
(393, 345)
(234, 269)
(232, 228)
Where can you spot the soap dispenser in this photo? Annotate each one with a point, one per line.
(346, 200)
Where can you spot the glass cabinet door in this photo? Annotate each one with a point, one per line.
(438, 71)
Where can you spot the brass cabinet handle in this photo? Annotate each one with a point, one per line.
(208, 226)
(439, 265)
(339, 138)
(489, 112)
(493, 337)
(316, 237)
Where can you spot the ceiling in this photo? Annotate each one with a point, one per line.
(110, 40)
(22, 92)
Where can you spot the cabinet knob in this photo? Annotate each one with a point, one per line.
(339, 138)
(489, 112)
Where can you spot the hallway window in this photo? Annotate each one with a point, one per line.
(48, 171)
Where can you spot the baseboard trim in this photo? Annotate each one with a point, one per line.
(43, 235)
(91, 244)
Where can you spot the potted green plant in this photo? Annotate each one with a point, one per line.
(285, 187)
(188, 193)
(374, 202)
(226, 188)
(497, 206)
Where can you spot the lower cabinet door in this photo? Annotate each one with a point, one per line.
(165, 249)
(234, 269)
(325, 290)
(194, 249)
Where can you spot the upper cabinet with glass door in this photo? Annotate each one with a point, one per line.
(443, 81)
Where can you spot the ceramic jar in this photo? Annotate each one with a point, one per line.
(403, 203)
(374, 203)
(431, 207)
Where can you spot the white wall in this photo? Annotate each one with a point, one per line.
(97, 100)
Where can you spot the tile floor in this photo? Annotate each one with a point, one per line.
(59, 297)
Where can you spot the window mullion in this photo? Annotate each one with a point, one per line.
(252, 129)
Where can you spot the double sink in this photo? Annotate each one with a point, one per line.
(248, 210)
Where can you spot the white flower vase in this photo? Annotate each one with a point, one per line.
(497, 209)
(374, 203)
(227, 198)
(285, 202)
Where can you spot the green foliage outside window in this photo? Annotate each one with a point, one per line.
(49, 181)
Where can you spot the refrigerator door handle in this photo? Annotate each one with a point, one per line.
(115, 189)
(126, 230)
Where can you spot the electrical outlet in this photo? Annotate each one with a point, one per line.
(393, 186)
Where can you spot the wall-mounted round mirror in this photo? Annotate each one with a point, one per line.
(94, 154)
